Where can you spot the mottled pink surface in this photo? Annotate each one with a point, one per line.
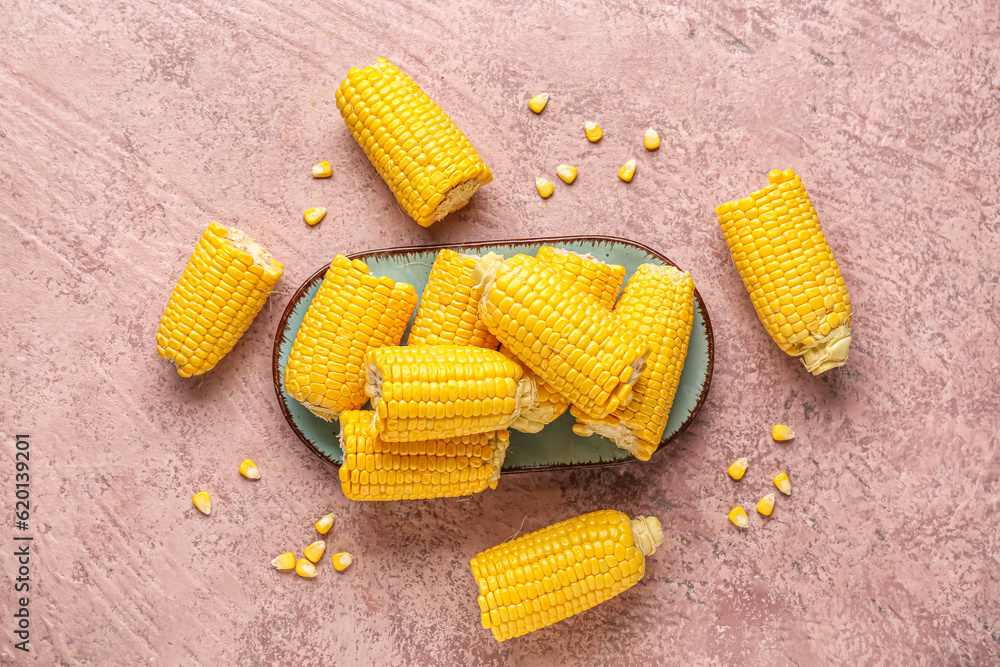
(126, 127)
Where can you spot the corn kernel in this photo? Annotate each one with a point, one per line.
(304, 568)
(315, 550)
(582, 430)
(249, 470)
(739, 517)
(651, 140)
(324, 524)
(342, 561)
(783, 483)
(314, 215)
(627, 171)
(567, 173)
(202, 502)
(766, 504)
(538, 102)
(780, 432)
(284, 561)
(544, 188)
(593, 131)
(322, 170)
(737, 468)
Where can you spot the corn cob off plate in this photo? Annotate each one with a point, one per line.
(556, 446)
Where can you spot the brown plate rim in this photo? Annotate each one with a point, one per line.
(403, 250)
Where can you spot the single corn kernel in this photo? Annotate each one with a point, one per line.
(737, 468)
(781, 432)
(249, 470)
(567, 173)
(739, 517)
(594, 131)
(582, 430)
(651, 140)
(202, 502)
(304, 568)
(315, 550)
(284, 561)
(342, 561)
(322, 170)
(538, 102)
(314, 215)
(544, 188)
(324, 524)
(766, 504)
(783, 483)
(627, 171)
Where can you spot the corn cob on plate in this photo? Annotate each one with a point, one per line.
(557, 446)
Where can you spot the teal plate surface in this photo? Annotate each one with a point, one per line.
(556, 446)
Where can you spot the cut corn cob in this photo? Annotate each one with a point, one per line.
(424, 158)
(442, 391)
(559, 331)
(377, 470)
(539, 579)
(658, 305)
(789, 270)
(447, 312)
(225, 284)
(351, 313)
(538, 102)
(601, 280)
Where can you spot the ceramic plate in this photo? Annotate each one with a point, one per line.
(556, 446)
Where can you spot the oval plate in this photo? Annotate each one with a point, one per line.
(556, 446)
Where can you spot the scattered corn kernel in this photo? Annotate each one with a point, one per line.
(766, 504)
(783, 483)
(284, 561)
(781, 432)
(544, 187)
(627, 171)
(737, 468)
(593, 130)
(322, 170)
(249, 469)
(304, 568)
(538, 102)
(739, 517)
(567, 173)
(202, 502)
(651, 140)
(314, 215)
(315, 550)
(324, 524)
(342, 561)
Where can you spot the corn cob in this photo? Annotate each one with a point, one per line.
(658, 304)
(442, 468)
(226, 282)
(789, 270)
(447, 312)
(443, 391)
(538, 579)
(601, 280)
(424, 158)
(352, 312)
(564, 335)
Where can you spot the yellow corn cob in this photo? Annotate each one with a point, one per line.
(538, 579)
(377, 470)
(352, 312)
(424, 158)
(225, 284)
(447, 312)
(789, 270)
(657, 304)
(442, 391)
(563, 334)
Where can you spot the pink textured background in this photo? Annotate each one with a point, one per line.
(125, 127)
